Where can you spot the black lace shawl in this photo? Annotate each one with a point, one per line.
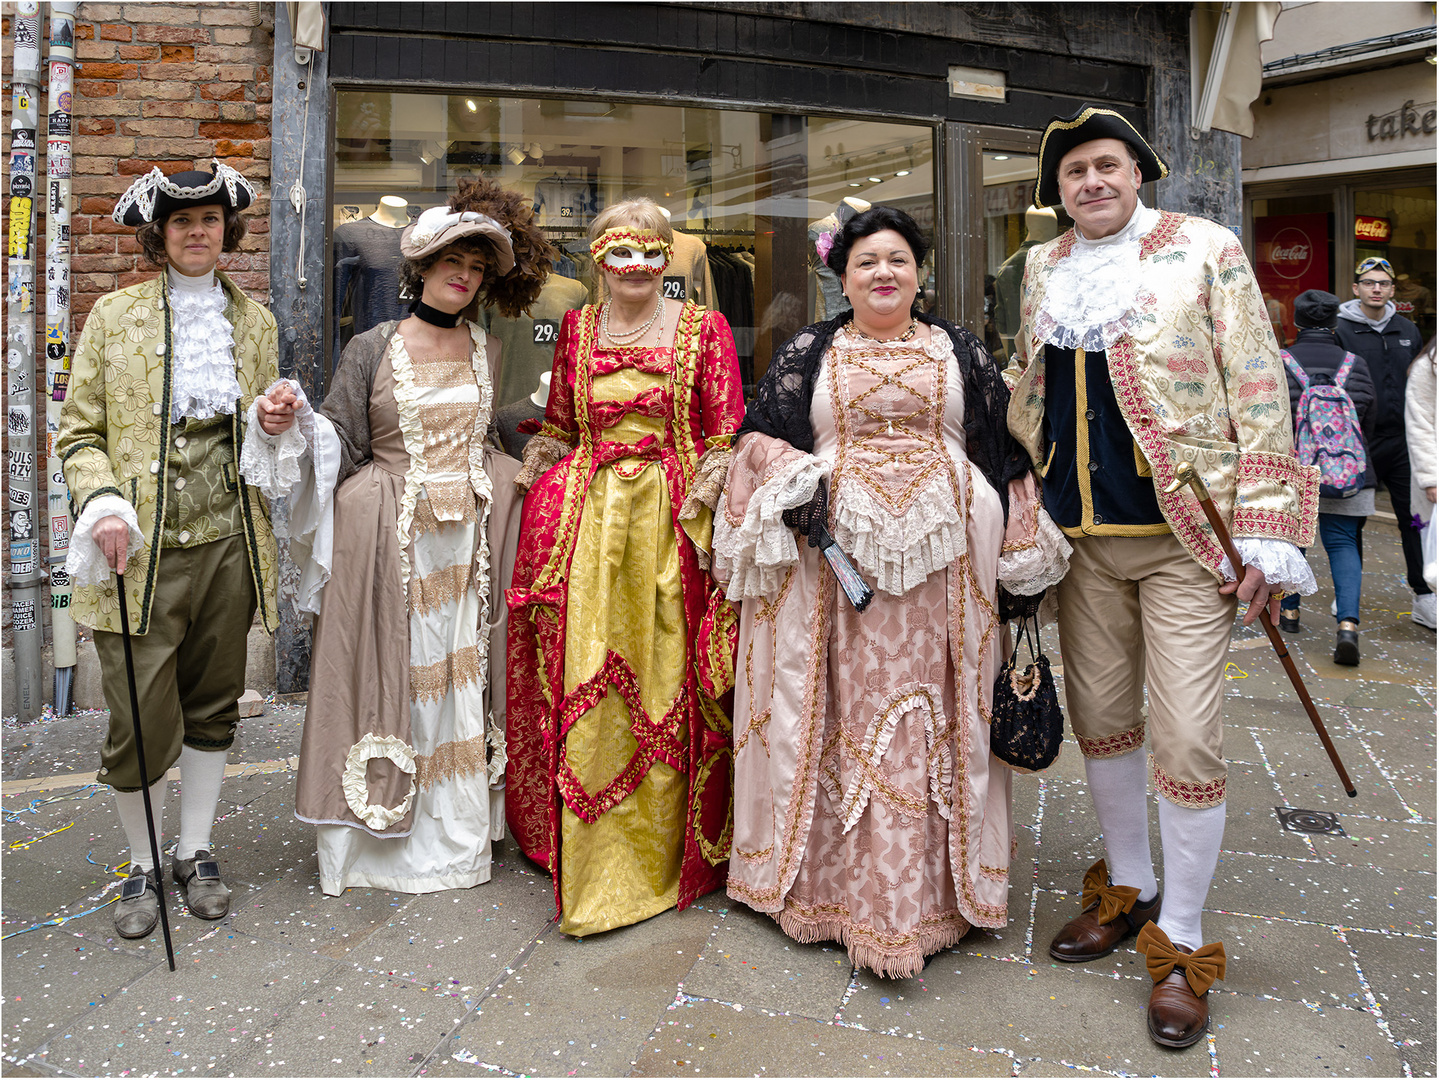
(782, 400)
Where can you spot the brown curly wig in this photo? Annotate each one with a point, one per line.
(151, 237)
(514, 293)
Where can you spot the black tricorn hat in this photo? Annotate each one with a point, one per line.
(155, 196)
(1064, 133)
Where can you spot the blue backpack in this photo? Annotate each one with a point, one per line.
(1326, 429)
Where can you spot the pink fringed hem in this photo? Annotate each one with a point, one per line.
(888, 956)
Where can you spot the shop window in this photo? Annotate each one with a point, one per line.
(1293, 252)
(750, 191)
(1012, 225)
(1398, 225)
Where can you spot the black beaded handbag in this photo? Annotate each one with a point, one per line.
(1026, 727)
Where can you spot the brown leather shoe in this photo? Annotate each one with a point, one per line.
(1177, 1016)
(1179, 1004)
(1111, 914)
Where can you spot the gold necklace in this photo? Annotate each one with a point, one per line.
(857, 332)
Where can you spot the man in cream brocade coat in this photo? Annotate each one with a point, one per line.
(1144, 341)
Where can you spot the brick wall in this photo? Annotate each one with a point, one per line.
(173, 85)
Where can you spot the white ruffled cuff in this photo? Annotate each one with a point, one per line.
(357, 788)
(272, 462)
(899, 553)
(86, 563)
(755, 556)
(1283, 563)
(1028, 570)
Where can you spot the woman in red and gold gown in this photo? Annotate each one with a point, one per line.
(620, 645)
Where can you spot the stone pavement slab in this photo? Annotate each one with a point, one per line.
(1398, 971)
(705, 1038)
(1256, 1036)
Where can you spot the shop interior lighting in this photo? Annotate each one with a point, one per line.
(470, 104)
(875, 179)
(1001, 157)
(902, 172)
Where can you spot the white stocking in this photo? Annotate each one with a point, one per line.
(1191, 840)
(1118, 786)
(131, 805)
(201, 773)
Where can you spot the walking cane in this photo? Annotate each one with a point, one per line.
(144, 773)
(1184, 473)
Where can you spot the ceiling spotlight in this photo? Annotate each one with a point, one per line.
(902, 172)
(470, 104)
(874, 179)
(516, 155)
(855, 183)
(1001, 157)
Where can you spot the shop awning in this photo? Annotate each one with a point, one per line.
(1226, 70)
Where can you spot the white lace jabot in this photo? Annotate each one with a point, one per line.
(1089, 300)
(203, 363)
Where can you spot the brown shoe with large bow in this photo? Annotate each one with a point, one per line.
(1179, 1004)
(1111, 914)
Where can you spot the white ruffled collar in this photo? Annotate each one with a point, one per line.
(1089, 300)
(203, 344)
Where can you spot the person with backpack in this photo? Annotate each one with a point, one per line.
(1331, 395)
(1370, 326)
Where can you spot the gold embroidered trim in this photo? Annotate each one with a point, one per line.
(451, 760)
(434, 591)
(434, 681)
(445, 501)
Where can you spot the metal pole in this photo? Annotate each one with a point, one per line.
(20, 359)
(58, 151)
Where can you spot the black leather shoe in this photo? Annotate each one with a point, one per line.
(1346, 644)
(1289, 621)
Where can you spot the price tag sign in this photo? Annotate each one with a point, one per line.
(674, 288)
(546, 331)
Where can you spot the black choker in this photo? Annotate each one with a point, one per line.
(434, 316)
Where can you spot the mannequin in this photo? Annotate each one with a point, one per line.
(1040, 224)
(525, 358)
(367, 260)
(830, 298)
(690, 262)
(511, 418)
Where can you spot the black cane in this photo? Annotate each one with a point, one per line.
(144, 773)
(1185, 473)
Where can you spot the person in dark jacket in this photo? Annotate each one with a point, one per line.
(1370, 326)
(1341, 521)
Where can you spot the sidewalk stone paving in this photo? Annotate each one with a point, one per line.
(1330, 938)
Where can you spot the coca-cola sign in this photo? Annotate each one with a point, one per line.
(1376, 230)
(1290, 253)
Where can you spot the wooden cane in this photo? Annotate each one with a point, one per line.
(144, 773)
(1185, 473)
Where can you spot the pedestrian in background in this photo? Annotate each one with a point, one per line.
(1419, 430)
(1370, 326)
(149, 436)
(1341, 519)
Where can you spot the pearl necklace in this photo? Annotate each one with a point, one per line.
(630, 337)
(857, 332)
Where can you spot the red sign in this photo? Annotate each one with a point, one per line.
(1291, 254)
(1375, 230)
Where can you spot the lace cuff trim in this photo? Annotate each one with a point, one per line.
(541, 455)
(86, 563)
(203, 368)
(1283, 563)
(357, 787)
(272, 462)
(708, 483)
(755, 555)
(900, 552)
(1026, 570)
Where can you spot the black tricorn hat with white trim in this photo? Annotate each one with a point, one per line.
(155, 196)
(1089, 122)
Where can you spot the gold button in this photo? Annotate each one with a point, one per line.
(184, 537)
(179, 483)
(180, 442)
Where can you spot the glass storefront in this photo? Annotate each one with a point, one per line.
(1311, 235)
(747, 193)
